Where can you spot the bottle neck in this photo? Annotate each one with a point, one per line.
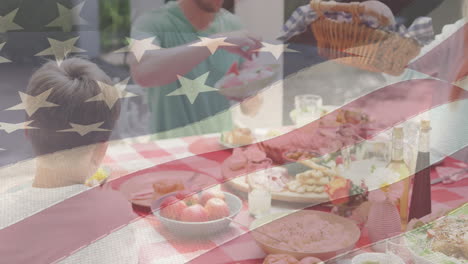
(397, 149)
(424, 140)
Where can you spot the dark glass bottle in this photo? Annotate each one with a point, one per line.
(421, 196)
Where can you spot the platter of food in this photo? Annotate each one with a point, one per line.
(239, 137)
(443, 241)
(305, 233)
(302, 173)
(308, 186)
(143, 189)
(252, 77)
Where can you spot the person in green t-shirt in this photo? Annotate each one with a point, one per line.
(176, 28)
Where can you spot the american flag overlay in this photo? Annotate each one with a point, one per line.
(217, 131)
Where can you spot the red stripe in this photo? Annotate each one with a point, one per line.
(65, 227)
(449, 60)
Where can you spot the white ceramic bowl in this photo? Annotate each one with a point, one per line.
(382, 258)
(198, 229)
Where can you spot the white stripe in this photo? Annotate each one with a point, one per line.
(178, 259)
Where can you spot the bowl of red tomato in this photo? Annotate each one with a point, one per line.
(197, 215)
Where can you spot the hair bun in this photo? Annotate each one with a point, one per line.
(77, 68)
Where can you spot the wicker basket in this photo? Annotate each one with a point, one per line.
(359, 45)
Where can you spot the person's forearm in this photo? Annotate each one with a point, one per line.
(161, 67)
(412, 9)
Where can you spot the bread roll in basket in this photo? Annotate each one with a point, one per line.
(357, 44)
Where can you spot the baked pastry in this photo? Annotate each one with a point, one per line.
(166, 186)
(299, 155)
(280, 259)
(239, 136)
(310, 260)
(311, 164)
(311, 181)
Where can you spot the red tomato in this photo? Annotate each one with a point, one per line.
(194, 213)
(216, 209)
(172, 208)
(189, 197)
(207, 195)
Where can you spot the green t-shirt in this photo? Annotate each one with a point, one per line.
(176, 116)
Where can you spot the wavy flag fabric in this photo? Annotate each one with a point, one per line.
(90, 224)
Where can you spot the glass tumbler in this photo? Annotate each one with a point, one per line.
(258, 179)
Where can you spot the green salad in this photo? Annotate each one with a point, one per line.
(442, 241)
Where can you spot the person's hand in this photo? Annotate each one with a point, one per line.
(380, 8)
(245, 43)
(251, 106)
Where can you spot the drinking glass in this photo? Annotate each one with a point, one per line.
(378, 148)
(308, 108)
(396, 245)
(258, 179)
(354, 145)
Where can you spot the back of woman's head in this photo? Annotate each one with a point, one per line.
(71, 84)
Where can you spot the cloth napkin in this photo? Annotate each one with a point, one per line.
(421, 30)
(452, 171)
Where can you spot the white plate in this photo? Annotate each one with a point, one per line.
(327, 108)
(143, 184)
(237, 182)
(382, 258)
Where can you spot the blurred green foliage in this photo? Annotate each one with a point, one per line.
(115, 23)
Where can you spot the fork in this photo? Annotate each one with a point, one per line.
(451, 178)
